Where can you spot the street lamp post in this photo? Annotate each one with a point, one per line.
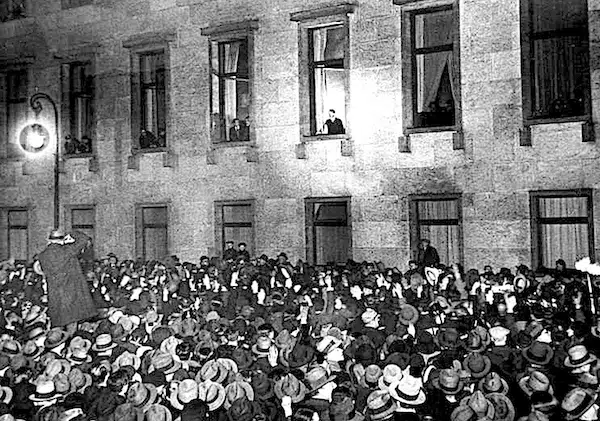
(36, 106)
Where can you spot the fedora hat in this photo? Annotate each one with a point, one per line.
(157, 412)
(578, 356)
(79, 380)
(300, 355)
(369, 315)
(103, 342)
(56, 235)
(372, 374)
(188, 328)
(538, 353)
(54, 338)
(44, 391)
(213, 394)
(142, 395)
(463, 413)
(535, 382)
(6, 394)
(57, 366)
(317, 378)
(391, 373)
(79, 356)
(380, 405)
(62, 383)
(576, 403)
(237, 390)
(499, 334)
(11, 347)
(408, 391)
(448, 338)
(493, 383)
(262, 346)
(35, 314)
(408, 315)
(290, 386)
(504, 410)
(212, 370)
(284, 340)
(242, 358)
(164, 362)
(127, 359)
(35, 331)
(32, 350)
(474, 342)
(229, 364)
(481, 406)
(327, 344)
(187, 391)
(477, 365)
(449, 382)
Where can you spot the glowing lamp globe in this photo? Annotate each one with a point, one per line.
(34, 138)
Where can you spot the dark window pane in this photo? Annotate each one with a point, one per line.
(155, 243)
(332, 244)
(82, 217)
(154, 215)
(238, 235)
(18, 244)
(445, 238)
(329, 43)
(331, 213)
(237, 214)
(434, 29)
(17, 218)
(17, 85)
(560, 73)
(437, 209)
(558, 14)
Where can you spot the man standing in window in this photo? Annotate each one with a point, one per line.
(428, 256)
(333, 125)
(235, 132)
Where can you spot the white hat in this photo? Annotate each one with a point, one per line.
(499, 335)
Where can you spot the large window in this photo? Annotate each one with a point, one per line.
(153, 109)
(438, 219)
(562, 226)
(152, 231)
(12, 9)
(328, 230)
(17, 238)
(433, 77)
(555, 58)
(234, 221)
(80, 96)
(230, 90)
(83, 218)
(16, 102)
(327, 53)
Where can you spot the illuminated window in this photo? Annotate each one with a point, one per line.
(432, 72)
(555, 58)
(17, 106)
(152, 231)
(329, 231)
(562, 227)
(234, 221)
(12, 9)
(438, 218)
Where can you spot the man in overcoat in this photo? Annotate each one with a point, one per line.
(69, 297)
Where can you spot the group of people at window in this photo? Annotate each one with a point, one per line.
(74, 146)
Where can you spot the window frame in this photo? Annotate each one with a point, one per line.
(415, 222)
(10, 227)
(11, 8)
(220, 225)
(409, 69)
(309, 20)
(225, 33)
(310, 226)
(137, 45)
(72, 4)
(140, 227)
(68, 117)
(527, 85)
(72, 227)
(12, 145)
(536, 221)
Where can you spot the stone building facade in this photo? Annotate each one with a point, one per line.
(481, 174)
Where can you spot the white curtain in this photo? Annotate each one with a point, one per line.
(563, 241)
(445, 238)
(232, 52)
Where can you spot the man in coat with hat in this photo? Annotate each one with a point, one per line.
(69, 297)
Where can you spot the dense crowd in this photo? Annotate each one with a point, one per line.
(239, 338)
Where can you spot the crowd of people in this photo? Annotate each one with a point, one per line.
(251, 339)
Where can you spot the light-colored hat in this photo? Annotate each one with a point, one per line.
(578, 356)
(6, 394)
(504, 409)
(576, 403)
(104, 342)
(535, 382)
(380, 405)
(187, 391)
(408, 391)
(391, 373)
(127, 359)
(212, 393)
(369, 315)
(54, 338)
(212, 370)
(290, 386)
(262, 346)
(142, 395)
(499, 334)
(482, 407)
(163, 361)
(238, 390)
(44, 391)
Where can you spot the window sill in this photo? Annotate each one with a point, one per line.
(413, 130)
(80, 155)
(556, 120)
(24, 21)
(220, 145)
(139, 151)
(320, 137)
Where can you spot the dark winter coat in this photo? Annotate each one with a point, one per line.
(69, 297)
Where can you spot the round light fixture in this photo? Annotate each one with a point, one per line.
(34, 138)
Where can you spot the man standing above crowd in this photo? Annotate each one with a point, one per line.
(69, 297)
(428, 255)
